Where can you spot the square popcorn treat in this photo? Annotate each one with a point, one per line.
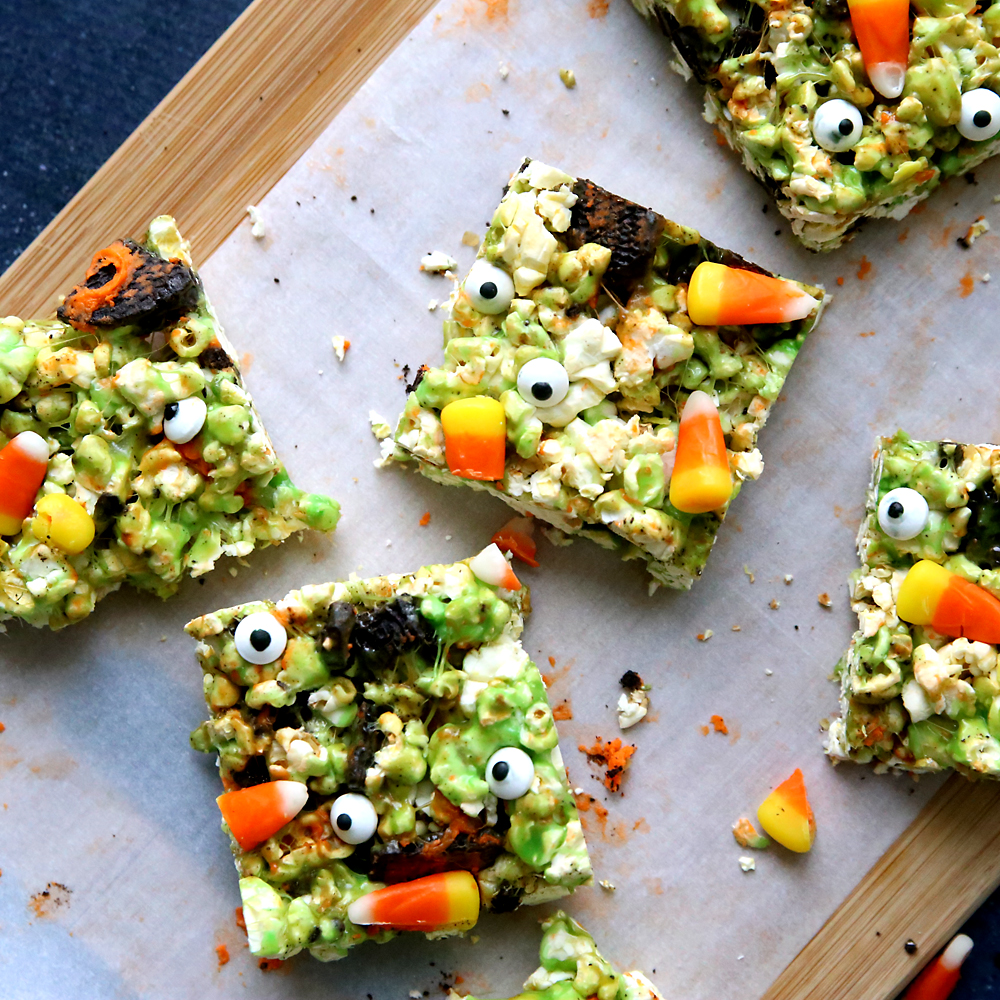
(920, 689)
(389, 757)
(130, 451)
(607, 371)
(845, 110)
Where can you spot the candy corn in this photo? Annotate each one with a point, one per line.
(882, 28)
(491, 567)
(517, 538)
(939, 978)
(786, 816)
(63, 523)
(446, 901)
(932, 595)
(253, 814)
(701, 480)
(23, 463)
(730, 296)
(475, 437)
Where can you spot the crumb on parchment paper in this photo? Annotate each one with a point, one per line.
(340, 346)
(745, 834)
(425, 520)
(719, 724)
(568, 78)
(705, 636)
(257, 230)
(788, 579)
(633, 702)
(749, 572)
(613, 756)
(605, 884)
(53, 897)
(470, 239)
(824, 600)
(437, 262)
(975, 230)
(775, 604)
(748, 865)
(222, 953)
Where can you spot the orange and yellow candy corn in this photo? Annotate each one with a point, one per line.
(731, 296)
(63, 523)
(475, 437)
(701, 480)
(882, 28)
(932, 595)
(786, 815)
(23, 462)
(491, 567)
(446, 901)
(938, 980)
(253, 814)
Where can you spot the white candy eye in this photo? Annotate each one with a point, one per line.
(184, 419)
(837, 125)
(260, 638)
(980, 114)
(509, 773)
(542, 382)
(903, 513)
(490, 289)
(353, 818)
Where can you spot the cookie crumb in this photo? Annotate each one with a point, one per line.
(824, 600)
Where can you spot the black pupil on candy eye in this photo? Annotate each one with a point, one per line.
(170, 411)
(981, 119)
(846, 126)
(500, 770)
(343, 822)
(895, 509)
(541, 390)
(260, 639)
(488, 290)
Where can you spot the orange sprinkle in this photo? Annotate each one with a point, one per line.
(840, 281)
(968, 283)
(2, 727)
(901, 238)
(240, 921)
(426, 519)
(705, 730)
(870, 333)
(563, 711)
(864, 268)
(597, 8)
(223, 952)
(719, 724)
(552, 661)
(584, 802)
(459, 980)
(270, 964)
(613, 756)
(720, 139)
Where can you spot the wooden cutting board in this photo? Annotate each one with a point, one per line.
(219, 141)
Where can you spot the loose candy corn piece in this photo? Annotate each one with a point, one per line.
(786, 816)
(475, 437)
(23, 462)
(446, 901)
(63, 523)
(939, 978)
(732, 296)
(253, 814)
(492, 567)
(932, 595)
(882, 28)
(701, 480)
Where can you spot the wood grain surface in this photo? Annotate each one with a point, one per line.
(220, 140)
(230, 129)
(935, 874)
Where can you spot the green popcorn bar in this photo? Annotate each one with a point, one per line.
(796, 98)
(573, 969)
(158, 462)
(914, 698)
(413, 736)
(573, 327)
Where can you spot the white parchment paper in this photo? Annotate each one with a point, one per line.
(99, 789)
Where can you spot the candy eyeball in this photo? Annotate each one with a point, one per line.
(490, 288)
(903, 513)
(542, 382)
(509, 773)
(837, 125)
(260, 638)
(353, 818)
(184, 419)
(980, 114)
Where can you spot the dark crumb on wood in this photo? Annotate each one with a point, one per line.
(910, 947)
